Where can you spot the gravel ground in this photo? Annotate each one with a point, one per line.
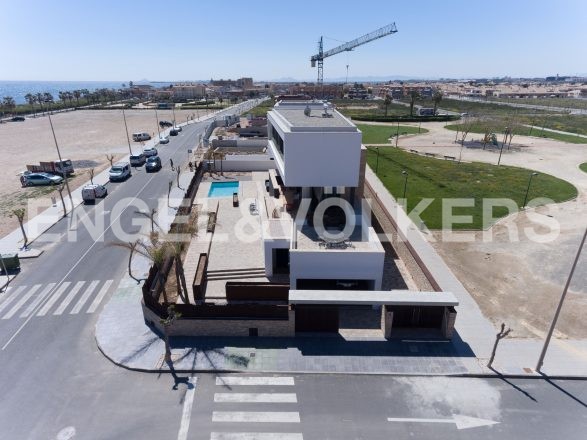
(84, 136)
(513, 277)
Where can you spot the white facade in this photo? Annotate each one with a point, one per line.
(317, 151)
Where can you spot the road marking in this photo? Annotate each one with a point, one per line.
(76, 309)
(45, 309)
(186, 414)
(23, 300)
(100, 296)
(462, 422)
(69, 298)
(256, 416)
(256, 436)
(13, 294)
(37, 300)
(248, 380)
(256, 397)
(23, 325)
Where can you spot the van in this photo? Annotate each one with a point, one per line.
(91, 192)
(119, 171)
(137, 160)
(137, 137)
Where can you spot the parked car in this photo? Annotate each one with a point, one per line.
(163, 139)
(177, 128)
(92, 192)
(164, 124)
(120, 171)
(137, 160)
(173, 132)
(150, 151)
(137, 137)
(38, 179)
(153, 164)
(17, 119)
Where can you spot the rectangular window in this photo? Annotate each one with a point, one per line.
(277, 140)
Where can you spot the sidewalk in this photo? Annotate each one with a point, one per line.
(37, 225)
(125, 339)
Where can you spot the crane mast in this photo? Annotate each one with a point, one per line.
(318, 59)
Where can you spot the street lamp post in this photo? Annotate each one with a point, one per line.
(157, 119)
(560, 305)
(126, 130)
(60, 161)
(397, 134)
(377, 163)
(405, 173)
(528, 189)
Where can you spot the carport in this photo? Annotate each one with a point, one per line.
(317, 310)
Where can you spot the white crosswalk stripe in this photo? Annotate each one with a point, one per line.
(40, 297)
(255, 397)
(253, 380)
(100, 296)
(69, 298)
(256, 416)
(256, 436)
(227, 400)
(11, 294)
(23, 299)
(86, 295)
(54, 298)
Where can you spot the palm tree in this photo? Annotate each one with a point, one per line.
(40, 100)
(76, 95)
(8, 103)
(86, 94)
(437, 97)
(386, 103)
(31, 99)
(63, 97)
(414, 96)
(48, 98)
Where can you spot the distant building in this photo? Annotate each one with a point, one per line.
(189, 91)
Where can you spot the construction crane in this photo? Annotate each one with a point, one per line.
(347, 47)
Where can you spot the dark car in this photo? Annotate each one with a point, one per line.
(18, 119)
(153, 164)
(173, 132)
(164, 124)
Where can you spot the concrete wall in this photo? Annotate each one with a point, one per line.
(225, 327)
(317, 158)
(336, 264)
(245, 162)
(240, 144)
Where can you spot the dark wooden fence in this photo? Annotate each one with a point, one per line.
(256, 291)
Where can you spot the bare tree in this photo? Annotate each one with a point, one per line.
(20, 213)
(465, 129)
(110, 158)
(178, 172)
(131, 246)
(169, 191)
(167, 322)
(151, 217)
(91, 172)
(488, 126)
(498, 337)
(60, 189)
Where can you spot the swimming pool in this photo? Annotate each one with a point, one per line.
(222, 189)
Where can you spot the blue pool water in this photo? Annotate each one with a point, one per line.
(222, 189)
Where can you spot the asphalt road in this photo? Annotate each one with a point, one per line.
(56, 385)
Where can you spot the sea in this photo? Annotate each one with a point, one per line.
(18, 89)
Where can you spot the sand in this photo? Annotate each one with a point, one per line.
(84, 136)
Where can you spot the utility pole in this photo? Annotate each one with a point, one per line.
(560, 305)
(60, 160)
(157, 119)
(126, 130)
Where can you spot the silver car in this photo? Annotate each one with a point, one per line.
(38, 179)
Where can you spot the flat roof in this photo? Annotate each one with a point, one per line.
(373, 297)
(292, 114)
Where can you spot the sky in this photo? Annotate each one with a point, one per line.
(174, 40)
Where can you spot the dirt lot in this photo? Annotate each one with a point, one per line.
(84, 136)
(513, 278)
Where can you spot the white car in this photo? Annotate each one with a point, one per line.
(150, 151)
(178, 128)
(92, 192)
(163, 140)
(120, 171)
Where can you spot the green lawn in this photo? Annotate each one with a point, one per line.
(583, 167)
(380, 134)
(477, 127)
(440, 179)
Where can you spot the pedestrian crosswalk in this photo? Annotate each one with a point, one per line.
(256, 411)
(53, 299)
